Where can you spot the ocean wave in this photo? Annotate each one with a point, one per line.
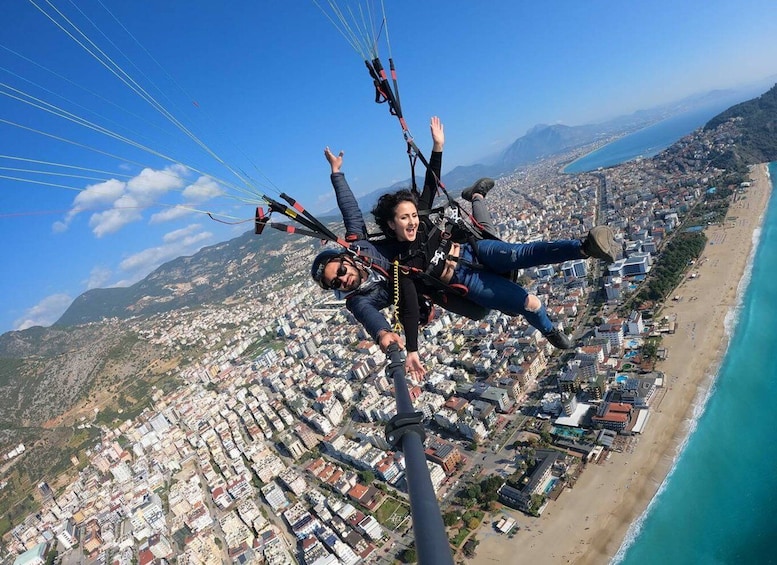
(698, 406)
(700, 402)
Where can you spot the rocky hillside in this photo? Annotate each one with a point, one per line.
(212, 275)
(45, 372)
(93, 356)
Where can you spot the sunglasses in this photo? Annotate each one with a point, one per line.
(336, 283)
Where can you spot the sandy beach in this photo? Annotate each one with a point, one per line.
(587, 524)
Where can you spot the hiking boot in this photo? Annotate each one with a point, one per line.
(600, 244)
(559, 339)
(481, 186)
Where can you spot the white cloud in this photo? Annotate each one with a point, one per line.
(101, 194)
(98, 277)
(202, 190)
(185, 241)
(124, 200)
(93, 196)
(169, 214)
(181, 234)
(125, 211)
(150, 184)
(45, 312)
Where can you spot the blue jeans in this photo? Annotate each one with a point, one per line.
(488, 288)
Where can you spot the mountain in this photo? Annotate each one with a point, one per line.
(545, 141)
(756, 122)
(44, 372)
(542, 140)
(93, 355)
(228, 269)
(211, 276)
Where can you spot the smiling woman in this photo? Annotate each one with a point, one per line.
(438, 253)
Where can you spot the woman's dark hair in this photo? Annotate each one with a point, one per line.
(387, 205)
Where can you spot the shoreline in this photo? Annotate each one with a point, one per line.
(587, 525)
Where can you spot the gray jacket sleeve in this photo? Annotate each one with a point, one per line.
(355, 227)
(366, 308)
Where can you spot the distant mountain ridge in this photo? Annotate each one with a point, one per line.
(543, 141)
(221, 271)
(210, 276)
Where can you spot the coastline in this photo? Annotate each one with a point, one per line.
(588, 524)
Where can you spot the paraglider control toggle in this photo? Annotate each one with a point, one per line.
(260, 220)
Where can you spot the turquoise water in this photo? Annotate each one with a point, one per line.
(567, 432)
(646, 142)
(717, 505)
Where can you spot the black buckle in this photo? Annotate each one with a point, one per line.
(401, 424)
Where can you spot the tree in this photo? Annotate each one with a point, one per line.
(450, 518)
(470, 547)
(473, 491)
(409, 555)
(537, 500)
(650, 349)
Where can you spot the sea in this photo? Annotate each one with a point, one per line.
(718, 504)
(646, 142)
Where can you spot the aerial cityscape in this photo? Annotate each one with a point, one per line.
(268, 446)
(222, 351)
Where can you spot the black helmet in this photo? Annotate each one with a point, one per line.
(321, 261)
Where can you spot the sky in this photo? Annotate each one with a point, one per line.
(122, 124)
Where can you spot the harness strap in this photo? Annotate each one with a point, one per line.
(397, 325)
(434, 282)
(384, 93)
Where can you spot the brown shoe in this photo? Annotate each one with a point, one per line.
(481, 186)
(600, 244)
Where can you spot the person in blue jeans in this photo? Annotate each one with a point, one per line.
(365, 288)
(432, 255)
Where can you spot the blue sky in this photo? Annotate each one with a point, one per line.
(260, 88)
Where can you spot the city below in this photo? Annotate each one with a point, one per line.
(272, 450)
